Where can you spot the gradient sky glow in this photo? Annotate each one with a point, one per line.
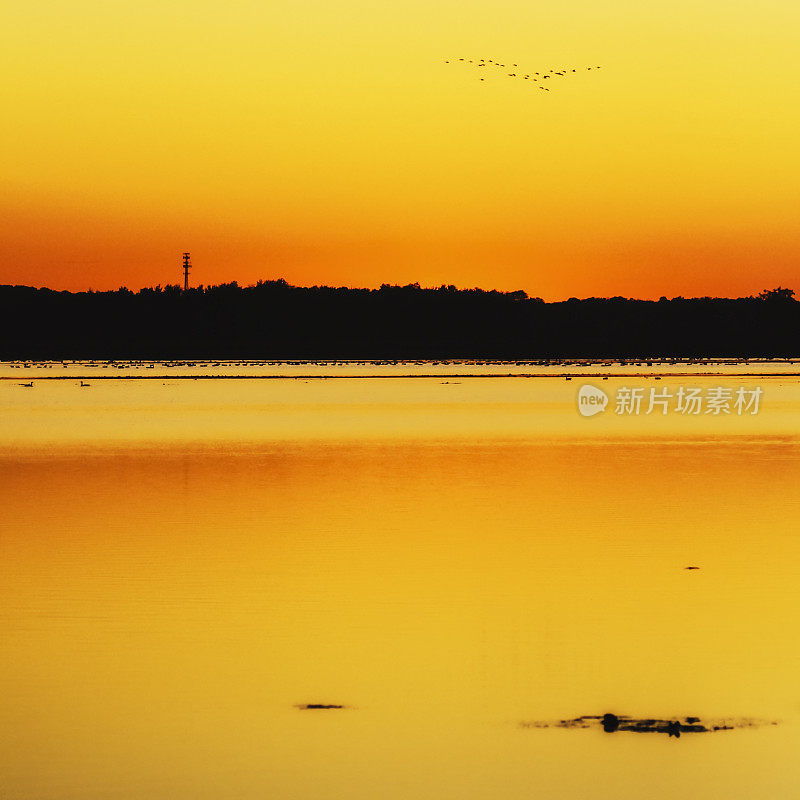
(327, 142)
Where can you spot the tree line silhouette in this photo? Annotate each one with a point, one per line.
(273, 319)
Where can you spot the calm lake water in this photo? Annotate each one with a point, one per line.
(183, 562)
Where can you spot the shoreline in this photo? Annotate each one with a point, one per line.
(528, 375)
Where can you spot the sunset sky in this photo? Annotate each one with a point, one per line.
(328, 142)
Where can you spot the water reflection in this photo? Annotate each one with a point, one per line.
(163, 608)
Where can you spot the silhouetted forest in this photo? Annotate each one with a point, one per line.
(273, 319)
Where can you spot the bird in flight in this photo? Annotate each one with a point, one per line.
(483, 63)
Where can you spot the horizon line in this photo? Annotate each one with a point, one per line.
(521, 293)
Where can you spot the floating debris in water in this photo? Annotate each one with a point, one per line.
(611, 723)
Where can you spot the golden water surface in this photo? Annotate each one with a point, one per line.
(184, 562)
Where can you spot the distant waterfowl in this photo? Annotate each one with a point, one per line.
(610, 723)
(84, 385)
(27, 385)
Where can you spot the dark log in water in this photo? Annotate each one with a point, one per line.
(611, 723)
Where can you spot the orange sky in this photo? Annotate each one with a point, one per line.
(329, 143)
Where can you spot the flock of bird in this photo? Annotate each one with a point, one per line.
(536, 78)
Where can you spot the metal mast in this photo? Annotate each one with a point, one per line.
(187, 265)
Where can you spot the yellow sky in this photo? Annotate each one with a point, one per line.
(329, 143)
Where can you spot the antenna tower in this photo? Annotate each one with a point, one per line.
(187, 265)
